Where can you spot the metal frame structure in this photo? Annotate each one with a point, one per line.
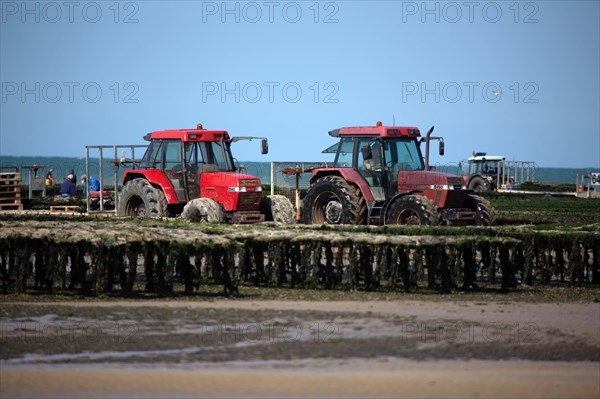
(116, 164)
(524, 171)
(295, 168)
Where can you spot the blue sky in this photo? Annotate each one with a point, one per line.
(519, 79)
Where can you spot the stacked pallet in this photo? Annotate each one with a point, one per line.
(10, 191)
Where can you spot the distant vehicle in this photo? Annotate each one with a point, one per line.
(483, 172)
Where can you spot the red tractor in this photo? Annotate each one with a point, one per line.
(192, 172)
(379, 177)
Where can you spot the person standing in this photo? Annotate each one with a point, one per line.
(49, 178)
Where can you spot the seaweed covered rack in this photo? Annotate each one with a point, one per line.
(43, 253)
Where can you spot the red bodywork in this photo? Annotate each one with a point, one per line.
(237, 192)
(381, 131)
(216, 185)
(157, 178)
(446, 191)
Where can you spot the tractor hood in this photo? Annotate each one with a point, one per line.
(236, 191)
(424, 180)
(229, 179)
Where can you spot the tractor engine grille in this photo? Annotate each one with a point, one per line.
(456, 194)
(455, 182)
(249, 201)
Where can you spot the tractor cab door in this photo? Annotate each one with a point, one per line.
(369, 164)
(401, 155)
(173, 167)
(192, 175)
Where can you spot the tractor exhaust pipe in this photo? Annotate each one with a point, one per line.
(427, 139)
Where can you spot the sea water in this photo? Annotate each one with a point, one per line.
(63, 165)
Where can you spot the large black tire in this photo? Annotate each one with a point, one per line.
(139, 199)
(479, 184)
(485, 214)
(278, 208)
(414, 210)
(333, 200)
(204, 210)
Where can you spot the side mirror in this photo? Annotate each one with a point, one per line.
(441, 148)
(366, 152)
(264, 146)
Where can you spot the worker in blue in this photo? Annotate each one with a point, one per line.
(94, 184)
(67, 188)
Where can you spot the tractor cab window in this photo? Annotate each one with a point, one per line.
(173, 154)
(191, 154)
(153, 156)
(403, 154)
(368, 162)
(369, 155)
(479, 167)
(215, 156)
(491, 168)
(345, 153)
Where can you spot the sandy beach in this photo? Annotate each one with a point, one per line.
(234, 348)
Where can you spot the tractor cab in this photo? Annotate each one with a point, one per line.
(380, 155)
(184, 155)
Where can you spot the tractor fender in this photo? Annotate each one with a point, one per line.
(348, 174)
(157, 179)
(395, 198)
(474, 176)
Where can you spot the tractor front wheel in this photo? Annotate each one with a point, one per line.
(332, 200)
(139, 199)
(278, 208)
(484, 212)
(479, 184)
(204, 210)
(412, 210)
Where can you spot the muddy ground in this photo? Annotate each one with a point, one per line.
(225, 348)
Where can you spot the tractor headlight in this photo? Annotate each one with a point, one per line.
(258, 189)
(236, 189)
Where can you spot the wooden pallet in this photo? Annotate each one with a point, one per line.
(11, 178)
(10, 200)
(11, 207)
(65, 208)
(12, 189)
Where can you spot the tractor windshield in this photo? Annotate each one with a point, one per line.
(403, 154)
(217, 154)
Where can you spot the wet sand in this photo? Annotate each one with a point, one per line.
(230, 348)
(440, 379)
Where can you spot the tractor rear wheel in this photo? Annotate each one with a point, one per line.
(204, 210)
(139, 199)
(278, 208)
(332, 200)
(485, 215)
(479, 184)
(413, 210)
